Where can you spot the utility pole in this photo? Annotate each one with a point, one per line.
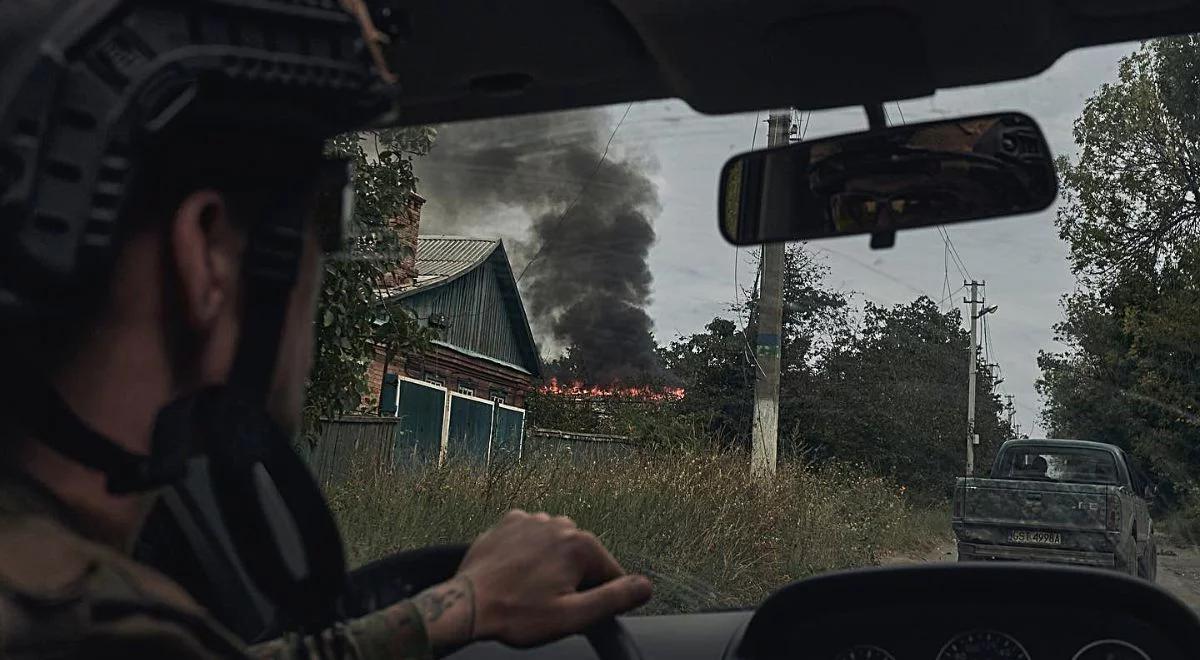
(764, 449)
(1012, 411)
(972, 367)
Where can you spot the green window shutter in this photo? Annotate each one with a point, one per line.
(387, 395)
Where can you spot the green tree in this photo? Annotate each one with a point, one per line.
(351, 321)
(1133, 195)
(718, 367)
(891, 394)
(1131, 215)
(717, 370)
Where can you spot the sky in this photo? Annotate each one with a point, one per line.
(1021, 258)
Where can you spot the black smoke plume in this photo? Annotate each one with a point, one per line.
(578, 228)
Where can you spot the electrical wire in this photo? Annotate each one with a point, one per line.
(737, 289)
(945, 274)
(898, 109)
(582, 190)
(958, 262)
(950, 295)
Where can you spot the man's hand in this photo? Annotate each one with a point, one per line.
(523, 583)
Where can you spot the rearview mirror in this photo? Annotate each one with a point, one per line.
(885, 180)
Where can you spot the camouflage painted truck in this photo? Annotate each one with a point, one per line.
(1060, 501)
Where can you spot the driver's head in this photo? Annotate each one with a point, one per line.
(131, 196)
(167, 321)
(178, 282)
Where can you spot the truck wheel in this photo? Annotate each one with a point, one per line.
(1148, 562)
(1128, 561)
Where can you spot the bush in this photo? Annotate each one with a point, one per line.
(694, 523)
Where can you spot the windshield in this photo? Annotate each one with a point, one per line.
(1084, 466)
(567, 331)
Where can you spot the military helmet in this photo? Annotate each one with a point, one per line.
(88, 87)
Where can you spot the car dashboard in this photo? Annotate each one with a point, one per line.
(1002, 611)
(971, 612)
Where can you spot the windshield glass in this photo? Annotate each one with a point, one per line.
(1085, 466)
(567, 331)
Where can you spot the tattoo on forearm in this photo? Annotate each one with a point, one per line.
(399, 619)
(434, 602)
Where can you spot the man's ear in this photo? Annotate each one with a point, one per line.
(205, 249)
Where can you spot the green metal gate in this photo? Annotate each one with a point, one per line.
(507, 432)
(421, 410)
(470, 429)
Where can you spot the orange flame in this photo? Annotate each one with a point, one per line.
(645, 392)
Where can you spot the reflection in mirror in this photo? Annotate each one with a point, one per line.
(896, 178)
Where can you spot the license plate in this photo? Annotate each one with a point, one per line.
(1034, 538)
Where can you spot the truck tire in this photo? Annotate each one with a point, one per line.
(1127, 559)
(1148, 562)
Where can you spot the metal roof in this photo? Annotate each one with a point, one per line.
(441, 258)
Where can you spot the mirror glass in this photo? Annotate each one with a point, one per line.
(885, 180)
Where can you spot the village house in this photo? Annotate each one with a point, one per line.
(466, 396)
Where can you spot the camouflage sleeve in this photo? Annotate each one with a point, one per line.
(396, 633)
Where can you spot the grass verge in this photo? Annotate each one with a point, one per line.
(706, 535)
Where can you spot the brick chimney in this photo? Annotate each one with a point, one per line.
(407, 225)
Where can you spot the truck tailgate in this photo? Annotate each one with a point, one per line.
(1035, 504)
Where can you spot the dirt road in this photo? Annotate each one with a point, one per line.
(1179, 573)
(1178, 569)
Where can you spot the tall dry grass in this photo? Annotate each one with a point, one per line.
(695, 523)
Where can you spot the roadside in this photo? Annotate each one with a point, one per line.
(1179, 573)
(944, 551)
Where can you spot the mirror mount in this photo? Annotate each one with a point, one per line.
(875, 117)
(882, 240)
(876, 120)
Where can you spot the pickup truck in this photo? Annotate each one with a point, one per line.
(1060, 501)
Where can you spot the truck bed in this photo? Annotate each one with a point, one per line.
(1034, 504)
(1035, 520)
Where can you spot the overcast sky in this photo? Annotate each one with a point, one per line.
(1022, 259)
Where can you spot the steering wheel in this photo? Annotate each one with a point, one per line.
(405, 574)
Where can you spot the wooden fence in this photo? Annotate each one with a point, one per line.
(579, 447)
(371, 441)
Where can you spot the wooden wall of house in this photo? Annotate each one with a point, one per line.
(477, 312)
(454, 369)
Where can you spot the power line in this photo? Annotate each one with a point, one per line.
(958, 262)
(902, 120)
(989, 349)
(954, 253)
(737, 258)
(950, 295)
(582, 190)
(945, 274)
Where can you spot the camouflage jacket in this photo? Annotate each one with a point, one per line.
(63, 595)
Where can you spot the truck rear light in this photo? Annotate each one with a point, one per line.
(1114, 513)
(960, 494)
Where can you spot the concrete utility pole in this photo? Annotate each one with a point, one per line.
(764, 449)
(1012, 411)
(972, 367)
